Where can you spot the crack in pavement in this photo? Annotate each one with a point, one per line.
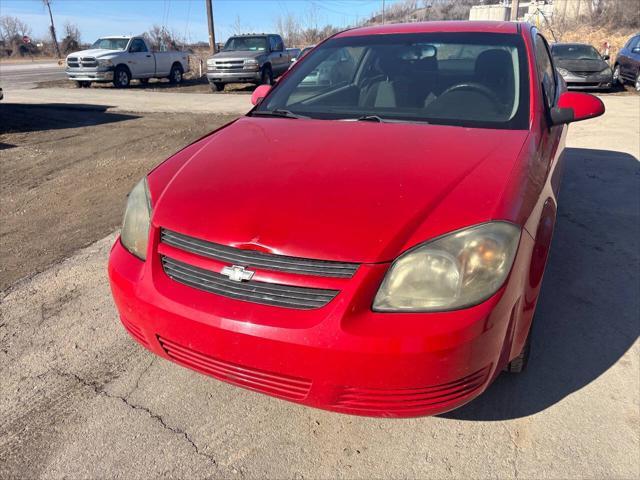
(98, 390)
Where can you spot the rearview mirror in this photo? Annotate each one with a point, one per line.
(576, 106)
(259, 93)
(606, 57)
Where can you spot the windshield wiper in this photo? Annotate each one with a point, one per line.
(277, 113)
(370, 118)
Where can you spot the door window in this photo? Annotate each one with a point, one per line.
(138, 46)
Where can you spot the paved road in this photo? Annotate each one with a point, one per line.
(25, 75)
(133, 101)
(81, 399)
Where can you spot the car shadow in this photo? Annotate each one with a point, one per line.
(19, 118)
(588, 314)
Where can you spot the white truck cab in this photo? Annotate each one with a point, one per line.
(120, 59)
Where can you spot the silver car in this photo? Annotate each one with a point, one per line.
(582, 67)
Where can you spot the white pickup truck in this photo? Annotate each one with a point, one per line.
(121, 59)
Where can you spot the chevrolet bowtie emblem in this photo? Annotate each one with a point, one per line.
(237, 274)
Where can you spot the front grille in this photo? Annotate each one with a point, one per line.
(252, 291)
(85, 62)
(586, 74)
(230, 65)
(261, 260)
(389, 401)
(293, 388)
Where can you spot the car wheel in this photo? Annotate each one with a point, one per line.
(518, 364)
(217, 86)
(638, 82)
(616, 76)
(83, 84)
(175, 76)
(121, 77)
(266, 77)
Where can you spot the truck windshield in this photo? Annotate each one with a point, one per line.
(575, 52)
(466, 79)
(111, 43)
(246, 43)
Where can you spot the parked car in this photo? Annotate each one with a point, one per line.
(294, 53)
(121, 59)
(374, 245)
(627, 64)
(582, 67)
(255, 58)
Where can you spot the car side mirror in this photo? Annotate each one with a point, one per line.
(606, 57)
(576, 106)
(635, 49)
(259, 93)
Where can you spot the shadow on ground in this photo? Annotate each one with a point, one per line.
(19, 118)
(588, 315)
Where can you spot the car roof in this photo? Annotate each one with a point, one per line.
(432, 27)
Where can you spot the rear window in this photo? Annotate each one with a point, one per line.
(468, 79)
(575, 52)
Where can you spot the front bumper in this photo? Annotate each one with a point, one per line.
(94, 75)
(238, 76)
(591, 82)
(341, 357)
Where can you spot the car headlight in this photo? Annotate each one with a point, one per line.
(137, 217)
(211, 62)
(251, 61)
(563, 71)
(605, 71)
(105, 62)
(454, 271)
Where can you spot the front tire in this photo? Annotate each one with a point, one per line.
(175, 76)
(637, 84)
(519, 364)
(121, 77)
(83, 84)
(217, 86)
(617, 80)
(266, 77)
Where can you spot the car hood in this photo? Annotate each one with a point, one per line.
(334, 190)
(581, 65)
(95, 52)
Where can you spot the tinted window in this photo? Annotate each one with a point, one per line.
(138, 46)
(246, 43)
(546, 72)
(470, 79)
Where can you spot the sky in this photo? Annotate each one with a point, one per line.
(187, 18)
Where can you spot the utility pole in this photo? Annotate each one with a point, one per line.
(514, 9)
(383, 12)
(212, 33)
(52, 28)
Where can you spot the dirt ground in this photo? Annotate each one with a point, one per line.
(65, 174)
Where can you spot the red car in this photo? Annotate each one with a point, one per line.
(372, 243)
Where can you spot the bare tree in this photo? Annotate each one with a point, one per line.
(12, 28)
(162, 39)
(71, 40)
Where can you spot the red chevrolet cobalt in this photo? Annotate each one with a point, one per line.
(371, 237)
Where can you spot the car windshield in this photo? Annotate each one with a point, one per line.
(246, 43)
(575, 52)
(466, 79)
(111, 43)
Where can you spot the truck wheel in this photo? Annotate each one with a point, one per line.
(266, 77)
(175, 76)
(121, 77)
(83, 84)
(217, 86)
(518, 364)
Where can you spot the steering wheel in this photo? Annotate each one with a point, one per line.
(478, 87)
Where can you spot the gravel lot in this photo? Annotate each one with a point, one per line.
(81, 399)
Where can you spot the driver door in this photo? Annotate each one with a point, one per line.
(141, 61)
